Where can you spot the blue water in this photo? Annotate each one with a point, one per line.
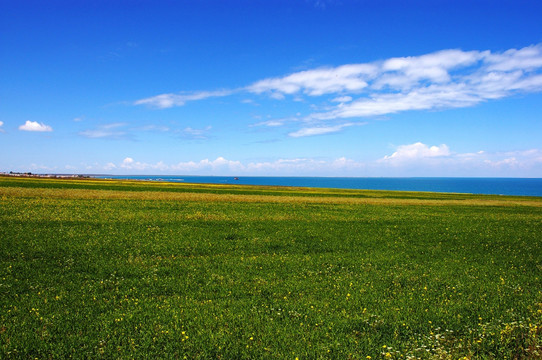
(496, 186)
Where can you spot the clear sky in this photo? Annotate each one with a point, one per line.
(265, 87)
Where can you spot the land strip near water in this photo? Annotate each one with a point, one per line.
(131, 269)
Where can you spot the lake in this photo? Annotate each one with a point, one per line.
(496, 186)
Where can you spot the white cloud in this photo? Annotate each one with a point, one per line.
(417, 151)
(277, 122)
(405, 72)
(285, 166)
(450, 78)
(319, 130)
(1, 124)
(395, 74)
(41, 168)
(342, 99)
(527, 59)
(428, 82)
(351, 78)
(271, 123)
(153, 128)
(514, 160)
(130, 164)
(164, 101)
(425, 98)
(222, 165)
(105, 131)
(417, 159)
(196, 133)
(122, 131)
(219, 164)
(127, 161)
(110, 166)
(35, 126)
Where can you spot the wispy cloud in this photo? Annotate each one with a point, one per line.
(424, 98)
(342, 99)
(319, 130)
(345, 78)
(35, 126)
(271, 123)
(1, 124)
(164, 101)
(445, 79)
(196, 133)
(527, 58)
(113, 131)
(392, 74)
(122, 130)
(159, 128)
(276, 122)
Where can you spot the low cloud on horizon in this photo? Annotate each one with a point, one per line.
(433, 158)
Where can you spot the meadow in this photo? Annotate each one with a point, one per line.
(127, 269)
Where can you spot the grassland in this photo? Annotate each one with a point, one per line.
(120, 269)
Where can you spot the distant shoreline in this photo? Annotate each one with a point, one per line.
(48, 176)
(459, 185)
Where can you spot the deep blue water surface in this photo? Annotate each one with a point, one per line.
(496, 186)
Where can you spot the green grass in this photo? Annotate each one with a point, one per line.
(120, 269)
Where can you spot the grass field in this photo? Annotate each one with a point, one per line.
(120, 269)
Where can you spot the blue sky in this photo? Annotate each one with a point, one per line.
(263, 87)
